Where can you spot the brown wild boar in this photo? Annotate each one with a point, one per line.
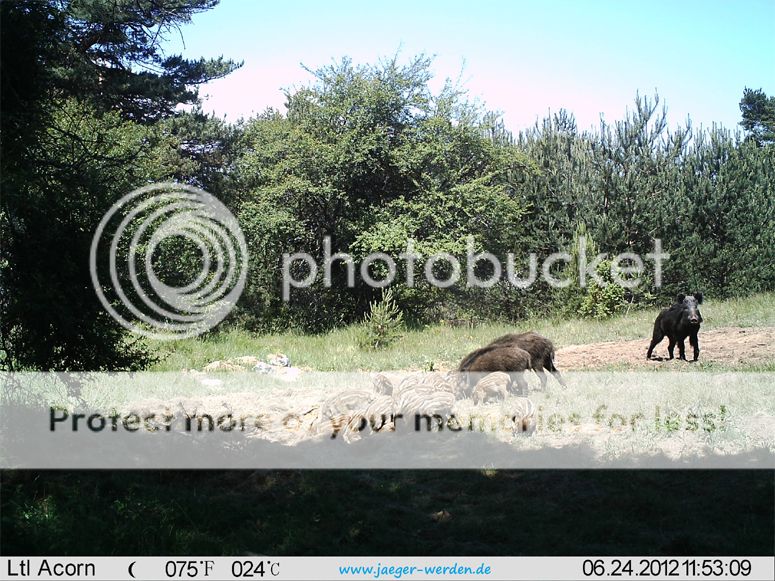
(541, 352)
(506, 358)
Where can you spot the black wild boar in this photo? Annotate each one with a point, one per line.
(678, 322)
(541, 352)
(506, 358)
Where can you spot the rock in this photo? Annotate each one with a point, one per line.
(278, 360)
(262, 367)
(441, 516)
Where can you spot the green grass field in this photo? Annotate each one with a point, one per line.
(441, 346)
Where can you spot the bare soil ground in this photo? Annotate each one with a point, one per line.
(730, 345)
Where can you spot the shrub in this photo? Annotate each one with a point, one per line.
(603, 300)
(383, 325)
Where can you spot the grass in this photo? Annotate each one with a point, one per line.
(440, 346)
(388, 513)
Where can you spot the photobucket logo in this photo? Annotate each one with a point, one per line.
(626, 269)
(136, 228)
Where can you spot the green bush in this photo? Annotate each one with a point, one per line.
(603, 300)
(383, 325)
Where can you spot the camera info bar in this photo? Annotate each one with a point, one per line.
(415, 568)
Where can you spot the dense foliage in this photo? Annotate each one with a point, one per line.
(88, 114)
(370, 158)
(367, 157)
(758, 116)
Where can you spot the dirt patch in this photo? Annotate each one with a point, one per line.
(730, 345)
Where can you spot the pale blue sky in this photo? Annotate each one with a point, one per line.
(521, 58)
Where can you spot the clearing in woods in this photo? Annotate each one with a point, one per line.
(733, 346)
(737, 335)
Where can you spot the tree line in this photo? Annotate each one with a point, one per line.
(366, 155)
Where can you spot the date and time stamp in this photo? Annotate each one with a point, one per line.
(417, 568)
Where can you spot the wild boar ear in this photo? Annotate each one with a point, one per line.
(698, 296)
(680, 298)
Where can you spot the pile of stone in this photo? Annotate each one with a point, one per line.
(276, 364)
